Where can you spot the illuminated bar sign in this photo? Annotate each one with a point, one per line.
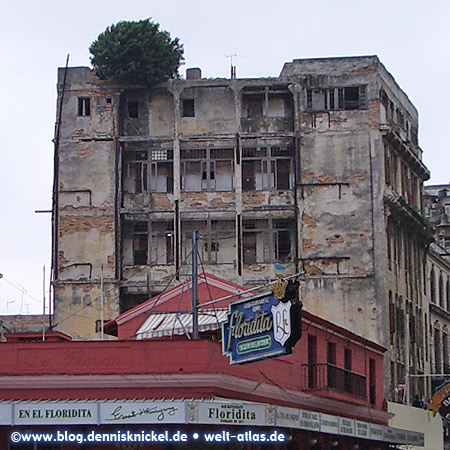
(265, 326)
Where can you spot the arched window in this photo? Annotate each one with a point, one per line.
(445, 350)
(432, 286)
(448, 294)
(437, 348)
(441, 292)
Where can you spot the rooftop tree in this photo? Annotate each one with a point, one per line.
(136, 53)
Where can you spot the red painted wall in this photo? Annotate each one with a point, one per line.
(182, 356)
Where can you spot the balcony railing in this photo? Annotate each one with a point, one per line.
(327, 376)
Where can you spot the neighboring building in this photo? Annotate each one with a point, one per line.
(23, 323)
(437, 209)
(438, 290)
(328, 394)
(318, 169)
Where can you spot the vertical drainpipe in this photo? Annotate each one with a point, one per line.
(175, 91)
(238, 178)
(118, 190)
(295, 89)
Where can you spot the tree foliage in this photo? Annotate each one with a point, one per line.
(136, 53)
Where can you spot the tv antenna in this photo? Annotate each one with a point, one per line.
(232, 65)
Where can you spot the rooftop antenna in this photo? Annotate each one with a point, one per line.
(233, 67)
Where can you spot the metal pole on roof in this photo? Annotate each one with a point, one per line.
(194, 287)
(102, 305)
(43, 304)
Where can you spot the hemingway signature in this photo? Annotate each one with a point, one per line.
(159, 412)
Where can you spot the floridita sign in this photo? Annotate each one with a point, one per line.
(265, 326)
(159, 412)
(441, 401)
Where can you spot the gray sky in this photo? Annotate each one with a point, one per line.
(411, 37)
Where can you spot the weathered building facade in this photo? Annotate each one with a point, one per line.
(318, 169)
(438, 290)
(437, 209)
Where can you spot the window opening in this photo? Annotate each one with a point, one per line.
(162, 243)
(133, 110)
(254, 106)
(372, 381)
(140, 244)
(267, 168)
(207, 169)
(148, 243)
(188, 108)
(312, 361)
(267, 240)
(142, 175)
(352, 97)
(84, 106)
(217, 239)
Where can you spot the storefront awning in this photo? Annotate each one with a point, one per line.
(228, 412)
(179, 323)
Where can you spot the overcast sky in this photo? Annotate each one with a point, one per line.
(411, 37)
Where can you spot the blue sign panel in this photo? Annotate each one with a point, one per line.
(440, 401)
(257, 328)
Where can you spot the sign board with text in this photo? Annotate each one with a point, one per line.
(262, 327)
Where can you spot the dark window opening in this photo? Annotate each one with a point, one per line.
(217, 240)
(331, 360)
(209, 169)
(133, 110)
(348, 368)
(254, 107)
(267, 168)
(148, 243)
(332, 99)
(188, 108)
(267, 240)
(312, 361)
(283, 174)
(84, 106)
(331, 353)
(309, 99)
(141, 175)
(162, 242)
(283, 250)
(248, 176)
(249, 250)
(351, 97)
(128, 301)
(348, 359)
(372, 381)
(140, 249)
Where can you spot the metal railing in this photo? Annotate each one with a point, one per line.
(328, 376)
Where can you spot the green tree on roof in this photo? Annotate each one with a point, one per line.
(136, 53)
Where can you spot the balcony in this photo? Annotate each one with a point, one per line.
(327, 376)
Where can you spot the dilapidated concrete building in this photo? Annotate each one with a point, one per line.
(318, 169)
